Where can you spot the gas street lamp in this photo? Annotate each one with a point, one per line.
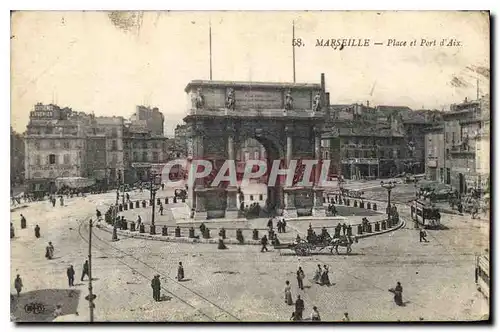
(153, 186)
(388, 186)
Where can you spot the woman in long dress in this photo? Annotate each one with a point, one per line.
(288, 293)
(317, 276)
(325, 280)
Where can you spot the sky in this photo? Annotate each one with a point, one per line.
(109, 62)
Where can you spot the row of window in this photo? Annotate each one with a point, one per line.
(144, 157)
(52, 144)
(349, 153)
(52, 159)
(144, 145)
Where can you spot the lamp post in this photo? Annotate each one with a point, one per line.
(388, 186)
(153, 190)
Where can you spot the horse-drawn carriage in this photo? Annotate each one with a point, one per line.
(305, 248)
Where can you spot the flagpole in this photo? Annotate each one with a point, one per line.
(293, 49)
(210, 45)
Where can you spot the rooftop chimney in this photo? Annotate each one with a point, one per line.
(367, 103)
(323, 101)
(327, 97)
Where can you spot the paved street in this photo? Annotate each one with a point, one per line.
(241, 283)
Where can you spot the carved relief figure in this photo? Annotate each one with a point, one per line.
(230, 100)
(317, 103)
(288, 100)
(198, 99)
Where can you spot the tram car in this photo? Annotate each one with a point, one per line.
(425, 214)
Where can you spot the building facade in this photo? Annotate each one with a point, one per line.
(458, 147)
(375, 142)
(17, 151)
(55, 146)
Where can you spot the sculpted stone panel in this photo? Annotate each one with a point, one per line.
(258, 99)
(301, 99)
(214, 146)
(302, 147)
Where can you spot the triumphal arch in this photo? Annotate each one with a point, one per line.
(286, 118)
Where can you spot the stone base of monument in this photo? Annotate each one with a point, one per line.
(290, 213)
(200, 215)
(231, 214)
(319, 211)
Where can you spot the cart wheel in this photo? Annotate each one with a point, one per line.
(300, 252)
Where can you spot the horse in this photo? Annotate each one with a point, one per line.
(343, 241)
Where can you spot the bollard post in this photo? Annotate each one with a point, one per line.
(355, 203)
(348, 202)
(131, 206)
(374, 206)
(255, 234)
(142, 229)
(158, 201)
(164, 231)
(360, 230)
(143, 204)
(362, 204)
(125, 207)
(384, 225)
(23, 223)
(191, 233)
(132, 226)
(377, 226)
(137, 204)
(368, 206)
(369, 228)
(239, 236)
(177, 231)
(124, 226)
(151, 202)
(152, 229)
(166, 200)
(206, 233)
(120, 208)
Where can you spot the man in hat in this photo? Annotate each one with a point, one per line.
(180, 272)
(18, 285)
(37, 231)
(299, 308)
(156, 285)
(70, 272)
(85, 271)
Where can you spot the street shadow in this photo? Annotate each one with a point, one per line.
(165, 298)
(183, 280)
(39, 305)
(79, 284)
(307, 287)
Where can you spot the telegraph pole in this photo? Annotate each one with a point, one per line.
(91, 296)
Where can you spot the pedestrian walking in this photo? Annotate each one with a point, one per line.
(70, 272)
(49, 251)
(283, 225)
(263, 241)
(317, 275)
(423, 235)
(315, 314)
(85, 271)
(398, 294)
(156, 285)
(300, 278)
(98, 214)
(53, 200)
(288, 293)
(37, 231)
(346, 317)
(270, 223)
(180, 272)
(325, 280)
(18, 285)
(161, 209)
(61, 199)
(344, 228)
(299, 307)
(279, 225)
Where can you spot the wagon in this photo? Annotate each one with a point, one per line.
(305, 248)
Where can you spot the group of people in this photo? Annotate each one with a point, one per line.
(280, 225)
(156, 283)
(320, 277)
(70, 272)
(312, 237)
(332, 209)
(251, 211)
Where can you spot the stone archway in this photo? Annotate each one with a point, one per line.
(286, 118)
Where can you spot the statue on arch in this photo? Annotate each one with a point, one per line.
(317, 102)
(288, 101)
(198, 99)
(230, 99)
